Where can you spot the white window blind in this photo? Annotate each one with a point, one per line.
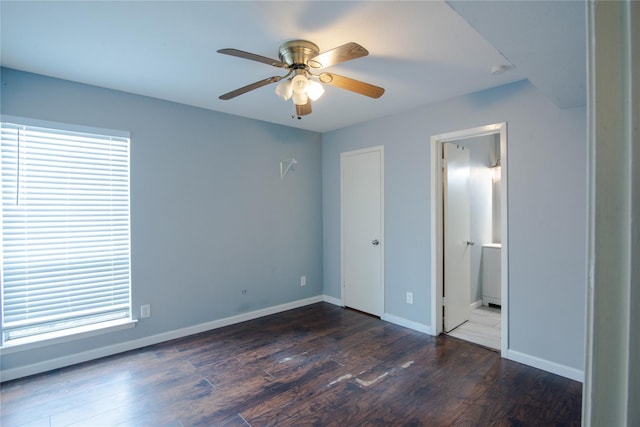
(65, 230)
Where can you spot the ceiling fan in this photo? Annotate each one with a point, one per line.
(302, 58)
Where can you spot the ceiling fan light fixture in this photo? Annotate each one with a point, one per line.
(299, 84)
(284, 89)
(314, 90)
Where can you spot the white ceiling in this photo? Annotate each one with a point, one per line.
(420, 51)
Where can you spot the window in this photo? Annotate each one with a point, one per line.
(65, 231)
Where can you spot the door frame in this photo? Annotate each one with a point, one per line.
(437, 247)
(380, 149)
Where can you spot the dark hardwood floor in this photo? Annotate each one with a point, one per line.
(318, 365)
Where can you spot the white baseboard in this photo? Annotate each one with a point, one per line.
(61, 362)
(476, 304)
(545, 365)
(332, 300)
(388, 317)
(407, 323)
(36, 368)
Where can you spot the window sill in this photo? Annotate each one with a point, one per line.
(60, 337)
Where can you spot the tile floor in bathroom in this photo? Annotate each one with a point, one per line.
(483, 327)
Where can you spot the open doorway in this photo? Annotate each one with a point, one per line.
(469, 273)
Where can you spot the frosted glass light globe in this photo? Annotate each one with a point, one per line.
(300, 98)
(284, 89)
(315, 90)
(299, 83)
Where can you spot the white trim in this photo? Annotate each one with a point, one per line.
(36, 368)
(476, 304)
(66, 335)
(612, 351)
(471, 133)
(437, 221)
(66, 126)
(416, 326)
(545, 365)
(332, 300)
(587, 389)
(437, 247)
(504, 234)
(380, 149)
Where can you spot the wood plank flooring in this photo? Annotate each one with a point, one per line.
(318, 365)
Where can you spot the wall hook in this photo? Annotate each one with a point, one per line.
(286, 165)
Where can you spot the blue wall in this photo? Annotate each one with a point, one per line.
(546, 207)
(209, 213)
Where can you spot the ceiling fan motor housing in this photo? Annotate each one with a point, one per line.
(298, 52)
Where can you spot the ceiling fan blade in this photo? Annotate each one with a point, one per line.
(343, 53)
(303, 110)
(253, 57)
(250, 87)
(351, 84)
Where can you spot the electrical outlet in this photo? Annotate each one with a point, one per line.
(303, 280)
(244, 292)
(145, 311)
(409, 297)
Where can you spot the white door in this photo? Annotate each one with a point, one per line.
(457, 263)
(361, 227)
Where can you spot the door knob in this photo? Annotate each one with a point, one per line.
(375, 242)
(470, 243)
